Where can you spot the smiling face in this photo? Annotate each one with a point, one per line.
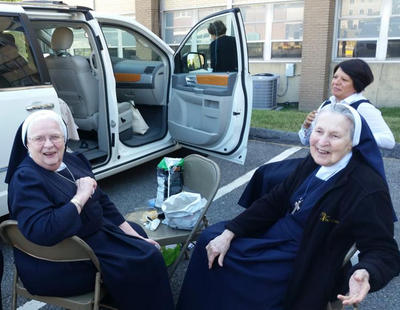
(48, 153)
(342, 85)
(330, 140)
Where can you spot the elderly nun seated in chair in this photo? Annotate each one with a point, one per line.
(53, 195)
(286, 250)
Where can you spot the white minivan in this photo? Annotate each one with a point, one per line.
(101, 67)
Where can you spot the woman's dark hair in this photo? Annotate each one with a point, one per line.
(359, 71)
(217, 28)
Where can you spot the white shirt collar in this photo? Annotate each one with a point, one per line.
(62, 166)
(350, 99)
(326, 172)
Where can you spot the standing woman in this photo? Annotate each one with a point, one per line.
(223, 53)
(53, 195)
(350, 78)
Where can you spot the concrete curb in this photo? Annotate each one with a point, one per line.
(286, 137)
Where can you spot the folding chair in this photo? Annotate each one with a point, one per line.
(200, 175)
(69, 250)
(337, 304)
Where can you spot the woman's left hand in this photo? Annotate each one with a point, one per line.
(218, 247)
(126, 228)
(358, 288)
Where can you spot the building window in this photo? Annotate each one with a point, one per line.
(274, 30)
(287, 30)
(254, 18)
(177, 24)
(393, 46)
(373, 33)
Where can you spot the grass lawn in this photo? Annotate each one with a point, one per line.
(290, 119)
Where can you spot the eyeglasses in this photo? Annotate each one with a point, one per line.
(40, 140)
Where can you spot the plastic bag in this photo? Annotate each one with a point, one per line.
(170, 253)
(169, 178)
(139, 125)
(183, 210)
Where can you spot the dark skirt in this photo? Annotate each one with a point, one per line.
(265, 178)
(254, 275)
(133, 272)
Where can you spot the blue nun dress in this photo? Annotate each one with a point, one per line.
(133, 270)
(256, 270)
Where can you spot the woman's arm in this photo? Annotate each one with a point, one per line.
(381, 131)
(265, 211)
(373, 230)
(38, 219)
(306, 128)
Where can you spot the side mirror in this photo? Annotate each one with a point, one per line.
(194, 61)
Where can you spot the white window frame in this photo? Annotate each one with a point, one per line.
(269, 11)
(194, 22)
(269, 4)
(381, 40)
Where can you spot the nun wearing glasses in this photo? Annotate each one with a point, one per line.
(53, 195)
(287, 249)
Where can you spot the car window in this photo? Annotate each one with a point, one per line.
(17, 64)
(80, 44)
(215, 41)
(127, 45)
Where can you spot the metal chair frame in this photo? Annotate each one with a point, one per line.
(72, 249)
(200, 175)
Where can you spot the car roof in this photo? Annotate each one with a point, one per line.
(48, 5)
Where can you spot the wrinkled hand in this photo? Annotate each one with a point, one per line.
(358, 288)
(218, 247)
(85, 188)
(309, 119)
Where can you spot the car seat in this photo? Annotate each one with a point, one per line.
(74, 80)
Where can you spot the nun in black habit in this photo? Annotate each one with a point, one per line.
(350, 78)
(53, 195)
(285, 252)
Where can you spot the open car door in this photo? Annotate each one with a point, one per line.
(24, 83)
(211, 90)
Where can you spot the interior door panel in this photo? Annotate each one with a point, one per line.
(202, 120)
(210, 100)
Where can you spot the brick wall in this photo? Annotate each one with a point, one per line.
(316, 52)
(148, 14)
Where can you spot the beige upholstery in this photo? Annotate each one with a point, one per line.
(74, 80)
(200, 175)
(69, 250)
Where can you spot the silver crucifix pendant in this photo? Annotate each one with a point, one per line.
(297, 205)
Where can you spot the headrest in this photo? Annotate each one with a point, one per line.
(7, 39)
(5, 22)
(62, 39)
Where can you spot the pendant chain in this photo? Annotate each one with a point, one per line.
(298, 202)
(64, 177)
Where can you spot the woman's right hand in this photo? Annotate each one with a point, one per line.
(309, 119)
(218, 247)
(85, 189)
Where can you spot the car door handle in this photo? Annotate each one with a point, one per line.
(190, 80)
(39, 106)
